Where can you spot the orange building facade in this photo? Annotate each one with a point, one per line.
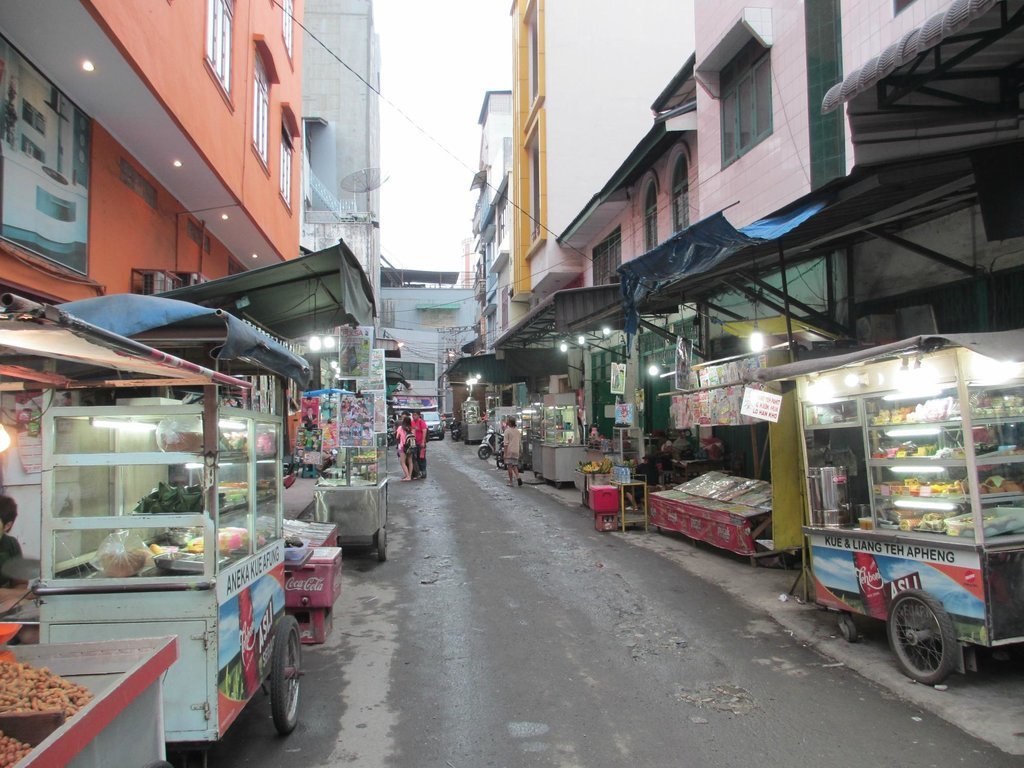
(144, 146)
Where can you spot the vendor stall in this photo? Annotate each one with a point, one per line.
(558, 453)
(915, 457)
(120, 724)
(353, 493)
(161, 502)
(725, 511)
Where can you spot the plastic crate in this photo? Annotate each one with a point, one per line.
(604, 498)
(606, 521)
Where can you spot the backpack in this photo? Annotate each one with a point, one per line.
(410, 443)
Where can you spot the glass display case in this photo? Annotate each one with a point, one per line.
(133, 494)
(357, 466)
(938, 456)
(558, 425)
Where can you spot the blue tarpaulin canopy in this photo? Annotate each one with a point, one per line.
(700, 248)
(130, 314)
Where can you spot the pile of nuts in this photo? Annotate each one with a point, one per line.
(12, 750)
(23, 688)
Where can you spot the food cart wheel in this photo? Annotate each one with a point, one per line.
(847, 628)
(285, 670)
(922, 637)
(382, 544)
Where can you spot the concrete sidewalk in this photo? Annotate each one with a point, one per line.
(988, 704)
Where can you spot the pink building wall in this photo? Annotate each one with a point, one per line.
(776, 171)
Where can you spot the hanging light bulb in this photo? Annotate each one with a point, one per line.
(581, 340)
(328, 342)
(5, 439)
(564, 347)
(756, 339)
(654, 370)
(315, 343)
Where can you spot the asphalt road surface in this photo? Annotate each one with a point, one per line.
(503, 630)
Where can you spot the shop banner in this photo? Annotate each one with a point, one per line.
(413, 402)
(864, 575)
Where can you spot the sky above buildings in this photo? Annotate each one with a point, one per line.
(437, 62)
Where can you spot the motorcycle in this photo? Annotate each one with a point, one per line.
(490, 445)
(456, 430)
(392, 436)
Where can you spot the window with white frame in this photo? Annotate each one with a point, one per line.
(746, 84)
(650, 217)
(218, 39)
(680, 194)
(260, 108)
(287, 10)
(286, 166)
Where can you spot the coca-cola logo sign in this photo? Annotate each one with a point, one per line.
(309, 584)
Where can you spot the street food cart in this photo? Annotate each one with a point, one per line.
(915, 461)
(162, 513)
(353, 494)
(120, 725)
(558, 453)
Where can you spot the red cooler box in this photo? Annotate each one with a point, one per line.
(317, 584)
(604, 498)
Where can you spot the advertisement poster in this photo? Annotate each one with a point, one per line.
(865, 575)
(45, 172)
(414, 402)
(618, 383)
(721, 401)
(624, 414)
(375, 381)
(380, 410)
(28, 414)
(354, 347)
(251, 606)
(355, 421)
(311, 411)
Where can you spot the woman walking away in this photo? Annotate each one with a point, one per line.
(406, 447)
(513, 445)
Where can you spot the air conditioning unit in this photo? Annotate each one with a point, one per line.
(191, 278)
(150, 281)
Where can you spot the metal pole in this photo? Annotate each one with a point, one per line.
(785, 300)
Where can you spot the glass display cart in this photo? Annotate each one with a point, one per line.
(560, 446)
(474, 428)
(353, 493)
(916, 485)
(163, 515)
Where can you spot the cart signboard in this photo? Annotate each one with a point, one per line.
(761, 405)
(251, 598)
(864, 575)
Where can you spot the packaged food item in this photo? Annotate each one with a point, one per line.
(122, 554)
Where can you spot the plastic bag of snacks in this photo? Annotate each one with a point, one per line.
(122, 554)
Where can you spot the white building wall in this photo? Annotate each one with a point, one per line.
(605, 65)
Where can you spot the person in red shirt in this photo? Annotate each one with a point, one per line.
(419, 427)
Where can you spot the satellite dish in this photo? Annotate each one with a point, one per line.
(363, 181)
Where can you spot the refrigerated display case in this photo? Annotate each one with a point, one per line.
(915, 465)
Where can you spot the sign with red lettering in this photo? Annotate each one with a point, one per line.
(759, 404)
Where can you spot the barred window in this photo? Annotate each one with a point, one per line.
(650, 217)
(680, 195)
(607, 256)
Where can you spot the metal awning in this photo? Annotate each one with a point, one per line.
(950, 85)
(44, 346)
(513, 366)
(566, 312)
(999, 345)
(912, 49)
(296, 298)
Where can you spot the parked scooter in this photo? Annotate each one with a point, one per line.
(456, 430)
(490, 445)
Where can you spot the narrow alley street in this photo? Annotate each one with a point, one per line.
(503, 630)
